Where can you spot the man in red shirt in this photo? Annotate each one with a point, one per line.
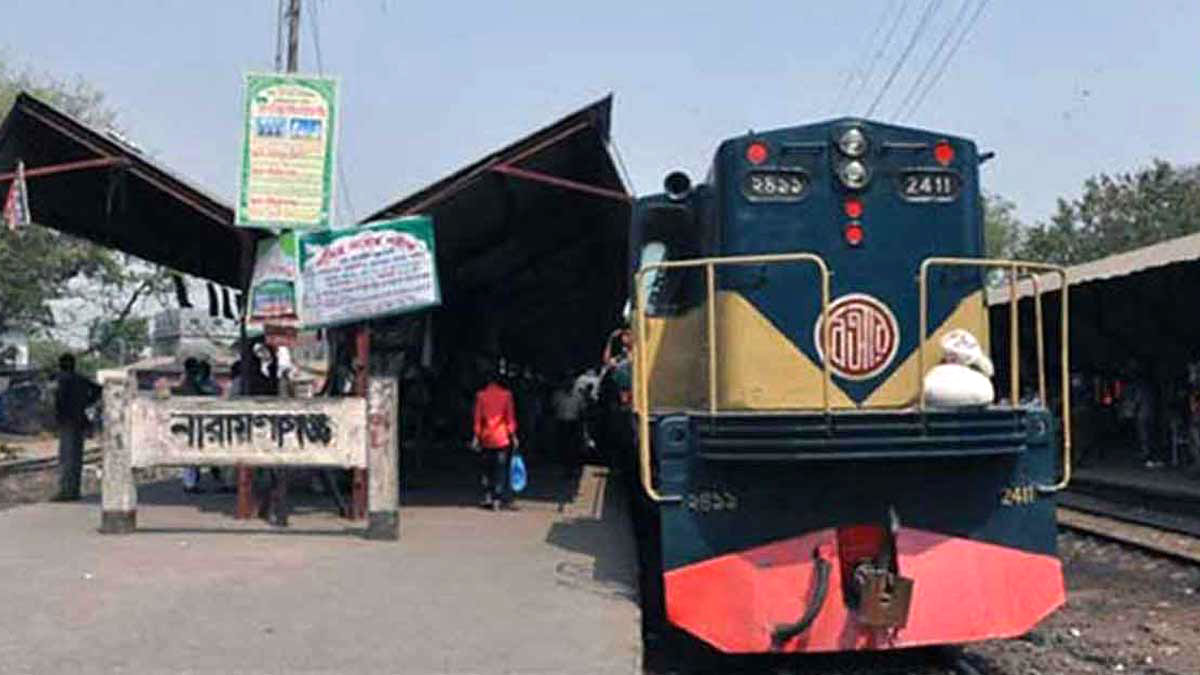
(495, 437)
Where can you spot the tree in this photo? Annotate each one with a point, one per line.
(1118, 213)
(39, 266)
(1001, 227)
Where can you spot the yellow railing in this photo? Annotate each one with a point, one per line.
(642, 381)
(641, 365)
(1017, 269)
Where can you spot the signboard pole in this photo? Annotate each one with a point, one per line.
(362, 359)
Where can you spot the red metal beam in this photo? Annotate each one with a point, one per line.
(156, 177)
(561, 182)
(66, 166)
(492, 164)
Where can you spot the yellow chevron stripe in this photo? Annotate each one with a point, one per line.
(759, 368)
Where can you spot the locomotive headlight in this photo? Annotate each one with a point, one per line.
(853, 143)
(854, 174)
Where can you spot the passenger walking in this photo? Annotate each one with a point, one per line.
(568, 437)
(495, 438)
(74, 394)
(1143, 402)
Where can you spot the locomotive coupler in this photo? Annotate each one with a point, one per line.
(884, 597)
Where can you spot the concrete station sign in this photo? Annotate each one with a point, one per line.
(265, 431)
(350, 432)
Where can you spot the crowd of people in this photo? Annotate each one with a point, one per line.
(569, 420)
(1139, 416)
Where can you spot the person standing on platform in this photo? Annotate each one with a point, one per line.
(495, 438)
(74, 394)
(568, 404)
(196, 382)
(1144, 404)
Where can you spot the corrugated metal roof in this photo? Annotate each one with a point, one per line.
(1180, 249)
(140, 208)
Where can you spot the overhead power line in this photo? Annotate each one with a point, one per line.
(877, 55)
(912, 42)
(946, 61)
(859, 71)
(933, 57)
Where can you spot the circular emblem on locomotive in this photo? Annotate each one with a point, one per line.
(863, 336)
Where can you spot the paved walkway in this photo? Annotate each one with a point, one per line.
(547, 589)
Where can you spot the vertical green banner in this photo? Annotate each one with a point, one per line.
(383, 268)
(289, 131)
(273, 286)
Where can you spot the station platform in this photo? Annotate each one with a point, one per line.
(1166, 482)
(549, 588)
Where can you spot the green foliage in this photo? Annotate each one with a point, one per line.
(120, 341)
(1118, 213)
(39, 266)
(1001, 227)
(74, 97)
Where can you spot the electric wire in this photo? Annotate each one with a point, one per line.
(346, 203)
(912, 42)
(877, 55)
(949, 56)
(861, 69)
(933, 57)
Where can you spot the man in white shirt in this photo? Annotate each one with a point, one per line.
(568, 406)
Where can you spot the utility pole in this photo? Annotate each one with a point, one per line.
(293, 48)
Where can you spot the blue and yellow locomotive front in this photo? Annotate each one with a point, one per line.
(806, 497)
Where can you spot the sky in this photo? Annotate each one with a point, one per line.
(1059, 90)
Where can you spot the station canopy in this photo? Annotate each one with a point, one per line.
(93, 184)
(1132, 305)
(532, 244)
(531, 239)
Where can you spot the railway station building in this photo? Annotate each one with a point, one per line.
(1132, 324)
(531, 252)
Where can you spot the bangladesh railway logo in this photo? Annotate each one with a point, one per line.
(863, 336)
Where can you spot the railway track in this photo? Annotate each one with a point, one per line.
(31, 480)
(1162, 523)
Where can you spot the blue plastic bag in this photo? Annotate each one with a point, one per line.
(517, 475)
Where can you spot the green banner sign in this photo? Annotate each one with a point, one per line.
(288, 136)
(380, 269)
(273, 284)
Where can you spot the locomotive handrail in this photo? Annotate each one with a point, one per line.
(1014, 368)
(642, 379)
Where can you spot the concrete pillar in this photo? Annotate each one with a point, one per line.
(118, 491)
(383, 448)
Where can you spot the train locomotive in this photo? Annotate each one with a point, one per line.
(797, 492)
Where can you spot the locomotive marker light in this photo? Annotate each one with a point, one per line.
(756, 152)
(853, 208)
(853, 143)
(943, 152)
(853, 233)
(854, 174)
